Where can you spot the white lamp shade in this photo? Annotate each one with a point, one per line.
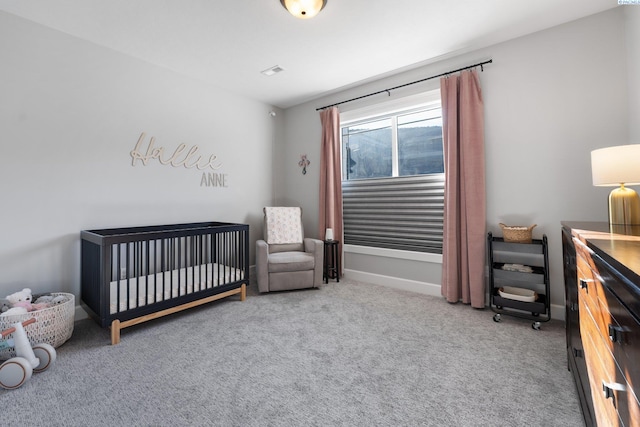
(328, 235)
(613, 166)
(303, 9)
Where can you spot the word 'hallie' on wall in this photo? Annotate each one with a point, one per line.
(189, 159)
(180, 157)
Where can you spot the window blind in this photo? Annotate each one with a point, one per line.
(403, 213)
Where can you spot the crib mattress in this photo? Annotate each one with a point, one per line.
(140, 291)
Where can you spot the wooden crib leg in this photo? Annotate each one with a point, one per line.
(115, 332)
(243, 292)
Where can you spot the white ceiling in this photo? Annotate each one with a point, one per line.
(228, 43)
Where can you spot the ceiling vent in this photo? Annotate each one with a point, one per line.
(273, 70)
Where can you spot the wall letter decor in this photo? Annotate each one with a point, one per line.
(213, 179)
(180, 157)
(188, 159)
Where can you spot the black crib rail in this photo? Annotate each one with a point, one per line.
(145, 262)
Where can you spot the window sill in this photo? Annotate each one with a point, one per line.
(394, 253)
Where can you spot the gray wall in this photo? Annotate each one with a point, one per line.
(632, 26)
(70, 114)
(550, 98)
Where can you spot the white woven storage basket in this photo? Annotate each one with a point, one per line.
(54, 325)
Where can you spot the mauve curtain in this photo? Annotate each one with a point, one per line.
(330, 215)
(464, 240)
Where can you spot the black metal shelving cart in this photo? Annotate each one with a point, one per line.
(519, 279)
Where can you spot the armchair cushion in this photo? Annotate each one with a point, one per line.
(283, 225)
(290, 261)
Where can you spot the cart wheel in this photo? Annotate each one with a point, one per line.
(15, 372)
(47, 355)
(535, 314)
(496, 317)
(536, 326)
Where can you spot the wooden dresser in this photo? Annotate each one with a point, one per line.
(602, 289)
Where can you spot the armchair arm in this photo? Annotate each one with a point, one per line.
(312, 245)
(262, 265)
(316, 247)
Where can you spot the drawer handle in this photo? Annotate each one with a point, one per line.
(584, 284)
(608, 389)
(616, 334)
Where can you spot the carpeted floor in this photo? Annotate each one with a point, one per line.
(348, 354)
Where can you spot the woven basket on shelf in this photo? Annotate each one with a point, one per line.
(517, 234)
(54, 325)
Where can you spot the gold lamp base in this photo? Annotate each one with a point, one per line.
(624, 207)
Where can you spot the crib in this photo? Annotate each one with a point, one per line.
(136, 274)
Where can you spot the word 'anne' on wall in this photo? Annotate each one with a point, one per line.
(213, 180)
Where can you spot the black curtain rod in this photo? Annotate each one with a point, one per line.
(479, 64)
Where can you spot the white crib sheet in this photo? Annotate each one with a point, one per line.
(169, 284)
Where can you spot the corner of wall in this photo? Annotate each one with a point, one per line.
(632, 30)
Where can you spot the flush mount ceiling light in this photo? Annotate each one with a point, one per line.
(273, 70)
(304, 9)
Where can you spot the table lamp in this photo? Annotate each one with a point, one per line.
(328, 234)
(617, 167)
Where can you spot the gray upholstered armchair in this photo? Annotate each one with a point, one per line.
(285, 259)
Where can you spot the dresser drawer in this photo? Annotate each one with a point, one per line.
(623, 337)
(612, 318)
(609, 334)
(591, 290)
(588, 283)
(601, 369)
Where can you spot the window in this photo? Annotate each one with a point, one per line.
(393, 177)
(397, 145)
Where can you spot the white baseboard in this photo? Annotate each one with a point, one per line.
(394, 282)
(557, 311)
(80, 314)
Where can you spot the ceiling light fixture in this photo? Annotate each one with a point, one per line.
(304, 9)
(272, 70)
